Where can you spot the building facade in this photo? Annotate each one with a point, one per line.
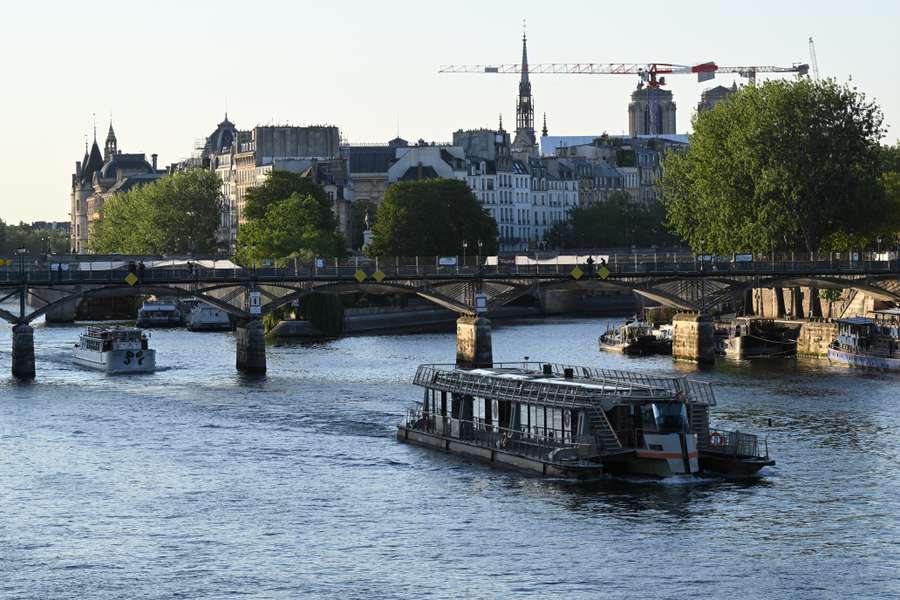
(651, 112)
(96, 178)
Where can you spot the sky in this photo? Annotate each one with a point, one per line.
(167, 71)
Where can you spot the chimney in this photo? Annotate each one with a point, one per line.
(153, 158)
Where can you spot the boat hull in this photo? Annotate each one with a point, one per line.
(863, 361)
(732, 466)
(117, 362)
(499, 457)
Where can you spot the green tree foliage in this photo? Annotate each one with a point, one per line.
(288, 215)
(788, 164)
(178, 214)
(432, 217)
(616, 223)
(36, 241)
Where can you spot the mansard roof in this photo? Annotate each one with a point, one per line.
(131, 162)
(220, 139)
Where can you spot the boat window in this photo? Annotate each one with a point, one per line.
(524, 422)
(670, 417)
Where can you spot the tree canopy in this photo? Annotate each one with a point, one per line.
(288, 215)
(35, 240)
(617, 222)
(788, 164)
(431, 217)
(176, 214)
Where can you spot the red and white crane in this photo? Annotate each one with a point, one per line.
(650, 74)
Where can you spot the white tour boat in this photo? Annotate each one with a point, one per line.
(115, 350)
(206, 317)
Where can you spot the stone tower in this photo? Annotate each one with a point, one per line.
(525, 141)
(651, 112)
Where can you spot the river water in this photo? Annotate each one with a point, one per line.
(194, 482)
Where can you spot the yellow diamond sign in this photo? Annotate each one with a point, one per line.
(359, 276)
(577, 273)
(603, 273)
(131, 279)
(2, 262)
(378, 276)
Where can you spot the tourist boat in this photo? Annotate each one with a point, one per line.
(638, 338)
(206, 317)
(868, 342)
(115, 350)
(577, 422)
(159, 313)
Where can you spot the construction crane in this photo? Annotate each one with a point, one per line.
(650, 74)
(813, 61)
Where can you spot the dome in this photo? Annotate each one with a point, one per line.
(220, 139)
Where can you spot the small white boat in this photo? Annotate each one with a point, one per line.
(115, 350)
(159, 313)
(206, 317)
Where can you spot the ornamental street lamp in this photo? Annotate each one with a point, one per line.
(465, 245)
(480, 246)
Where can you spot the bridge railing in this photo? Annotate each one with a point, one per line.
(17, 269)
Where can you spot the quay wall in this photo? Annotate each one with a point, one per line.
(693, 338)
(814, 338)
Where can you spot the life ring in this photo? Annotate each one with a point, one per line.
(717, 439)
(504, 440)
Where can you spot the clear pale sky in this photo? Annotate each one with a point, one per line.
(166, 70)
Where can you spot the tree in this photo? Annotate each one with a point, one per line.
(35, 240)
(617, 222)
(288, 215)
(432, 217)
(785, 164)
(177, 214)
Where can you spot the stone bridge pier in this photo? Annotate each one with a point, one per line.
(250, 338)
(473, 342)
(693, 338)
(23, 352)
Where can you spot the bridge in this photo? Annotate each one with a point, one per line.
(468, 287)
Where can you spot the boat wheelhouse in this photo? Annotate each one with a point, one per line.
(206, 317)
(868, 342)
(115, 350)
(577, 422)
(638, 338)
(159, 313)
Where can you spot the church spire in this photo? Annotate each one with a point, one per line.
(109, 150)
(524, 107)
(544, 130)
(501, 122)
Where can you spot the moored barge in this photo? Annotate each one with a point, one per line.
(577, 422)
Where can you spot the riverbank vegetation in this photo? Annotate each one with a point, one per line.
(791, 165)
(288, 216)
(177, 214)
(432, 217)
(617, 223)
(35, 240)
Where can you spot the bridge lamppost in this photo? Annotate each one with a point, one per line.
(480, 246)
(702, 244)
(465, 245)
(21, 251)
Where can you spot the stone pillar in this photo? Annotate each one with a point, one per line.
(780, 311)
(23, 352)
(473, 342)
(815, 303)
(748, 302)
(797, 296)
(251, 347)
(693, 338)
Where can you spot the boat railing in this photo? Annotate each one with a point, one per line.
(604, 383)
(535, 442)
(735, 443)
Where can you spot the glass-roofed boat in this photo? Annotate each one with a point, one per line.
(579, 422)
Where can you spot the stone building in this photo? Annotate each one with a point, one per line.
(524, 145)
(97, 177)
(651, 112)
(711, 97)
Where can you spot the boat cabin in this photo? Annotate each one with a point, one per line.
(107, 339)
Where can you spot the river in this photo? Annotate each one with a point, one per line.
(195, 482)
